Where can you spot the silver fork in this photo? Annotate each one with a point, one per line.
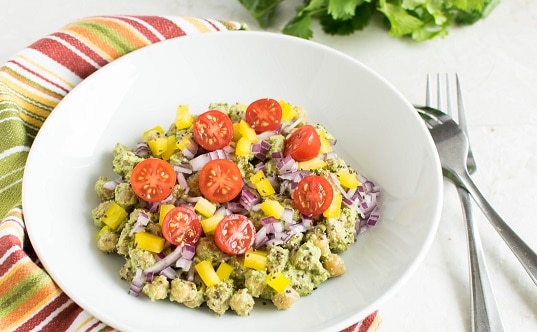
(485, 314)
(452, 146)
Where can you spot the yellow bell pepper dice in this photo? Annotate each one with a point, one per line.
(164, 209)
(183, 118)
(256, 260)
(244, 147)
(114, 215)
(262, 184)
(149, 242)
(224, 271)
(278, 281)
(334, 210)
(265, 188)
(312, 164)
(247, 132)
(236, 134)
(152, 133)
(184, 142)
(204, 207)
(258, 176)
(347, 179)
(158, 145)
(207, 273)
(272, 208)
(288, 111)
(209, 224)
(171, 147)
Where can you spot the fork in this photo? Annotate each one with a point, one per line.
(452, 146)
(485, 314)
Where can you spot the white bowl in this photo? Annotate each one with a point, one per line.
(377, 130)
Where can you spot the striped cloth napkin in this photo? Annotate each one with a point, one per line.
(32, 83)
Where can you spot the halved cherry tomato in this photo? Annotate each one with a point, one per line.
(313, 195)
(220, 180)
(264, 115)
(303, 143)
(235, 234)
(181, 225)
(212, 130)
(153, 179)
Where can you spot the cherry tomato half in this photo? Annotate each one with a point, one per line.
(264, 115)
(153, 179)
(212, 130)
(303, 143)
(313, 195)
(220, 180)
(181, 225)
(234, 234)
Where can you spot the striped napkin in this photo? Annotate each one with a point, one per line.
(32, 83)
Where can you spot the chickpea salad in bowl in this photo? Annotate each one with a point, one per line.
(237, 203)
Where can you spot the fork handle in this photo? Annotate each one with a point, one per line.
(485, 314)
(526, 256)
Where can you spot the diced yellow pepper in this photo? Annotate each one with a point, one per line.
(347, 179)
(244, 147)
(209, 224)
(236, 133)
(114, 215)
(288, 112)
(171, 147)
(183, 118)
(272, 208)
(184, 142)
(164, 209)
(255, 259)
(314, 163)
(248, 132)
(334, 210)
(278, 281)
(224, 271)
(265, 188)
(204, 207)
(149, 242)
(152, 133)
(258, 176)
(262, 184)
(207, 273)
(326, 145)
(158, 145)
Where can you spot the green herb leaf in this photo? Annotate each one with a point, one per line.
(418, 19)
(261, 10)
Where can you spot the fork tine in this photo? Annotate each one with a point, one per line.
(470, 162)
(448, 97)
(438, 94)
(428, 92)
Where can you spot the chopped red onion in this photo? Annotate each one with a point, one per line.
(287, 164)
(165, 262)
(112, 184)
(169, 273)
(137, 283)
(142, 150)
(185, 168)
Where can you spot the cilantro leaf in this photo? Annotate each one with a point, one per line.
(358, 21)
(261, 10)
(299, 26)
(418, 19)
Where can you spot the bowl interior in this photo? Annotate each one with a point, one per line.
(377, 132)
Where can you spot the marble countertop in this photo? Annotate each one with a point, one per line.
(496, 60)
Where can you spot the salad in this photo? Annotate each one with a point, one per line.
(237, 203)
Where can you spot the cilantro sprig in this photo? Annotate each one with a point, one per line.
(418, 19)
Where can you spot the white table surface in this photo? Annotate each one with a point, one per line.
(497, 63)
